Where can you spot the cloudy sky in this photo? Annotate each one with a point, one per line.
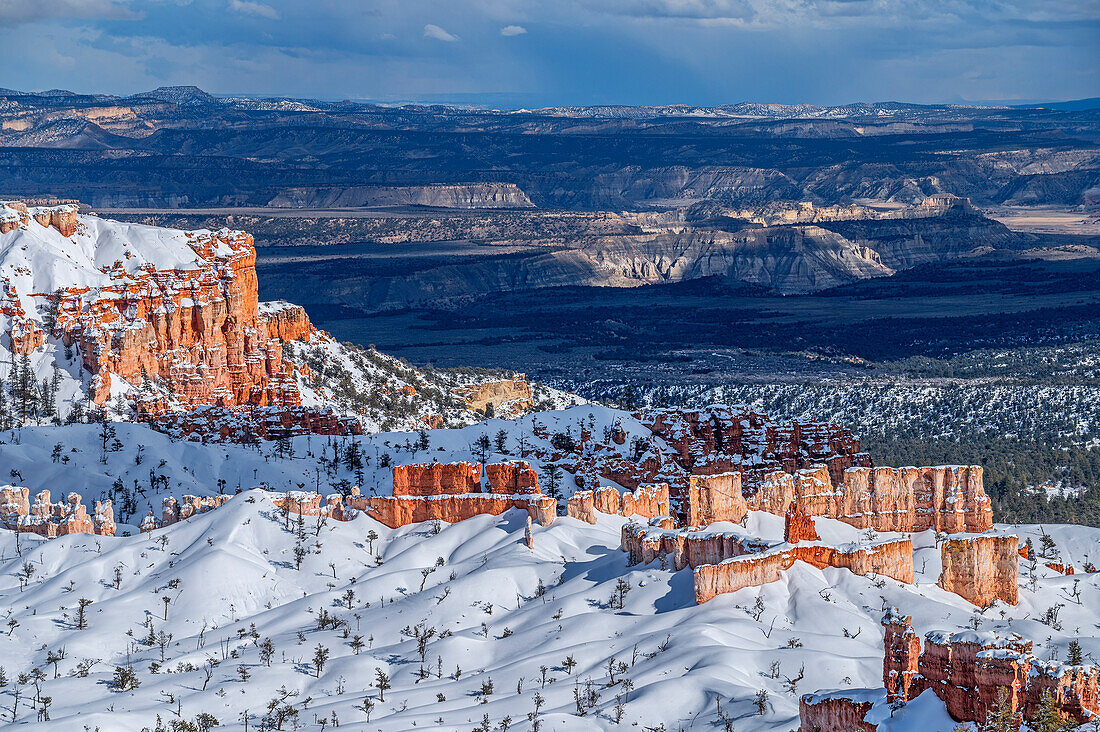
(540, 52)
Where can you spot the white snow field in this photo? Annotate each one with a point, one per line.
(486, 608)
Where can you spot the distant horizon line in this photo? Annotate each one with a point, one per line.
(469, 100)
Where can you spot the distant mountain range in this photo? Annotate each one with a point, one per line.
(193, 96)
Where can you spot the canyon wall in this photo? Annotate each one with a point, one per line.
(981, 568)
(891, 558)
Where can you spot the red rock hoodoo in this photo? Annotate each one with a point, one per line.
(49, 519)
(177, 310)
(797, 526)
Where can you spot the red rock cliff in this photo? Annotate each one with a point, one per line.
(981, 568)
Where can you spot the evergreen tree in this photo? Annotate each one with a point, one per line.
(1048, 718)
(1001, 718)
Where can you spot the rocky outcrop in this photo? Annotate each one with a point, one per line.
(173, 511)
(452, 492)
(49, 519)
(797, 526)
(968, 669)
(401, 511)
(840, 712)
(981, 568)
(508, 397)
(512, 477)
(890, 558)
(286, 321)
(713, 498)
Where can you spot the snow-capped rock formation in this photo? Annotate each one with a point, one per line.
(49, 519)
(968, 669)
(144, 304)
(892, 558)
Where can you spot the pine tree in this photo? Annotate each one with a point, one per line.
(1048, 718)
(1074, 656)
(1001, 718)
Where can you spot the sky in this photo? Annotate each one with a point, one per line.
(525, 53)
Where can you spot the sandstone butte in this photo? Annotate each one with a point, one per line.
(966, 670)
(50, 519)
(981, 568)
(141, 302)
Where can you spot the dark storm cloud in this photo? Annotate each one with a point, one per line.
(561, 51)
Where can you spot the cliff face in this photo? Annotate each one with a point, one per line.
(982, 568)
(453, 492)
(713, 498)
(462, 196)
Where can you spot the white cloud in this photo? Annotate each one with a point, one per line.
(513, 30)
(248, 7)
(14, 12)
(434, 31)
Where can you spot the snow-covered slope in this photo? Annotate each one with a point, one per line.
(491, 610)
(137, 467)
